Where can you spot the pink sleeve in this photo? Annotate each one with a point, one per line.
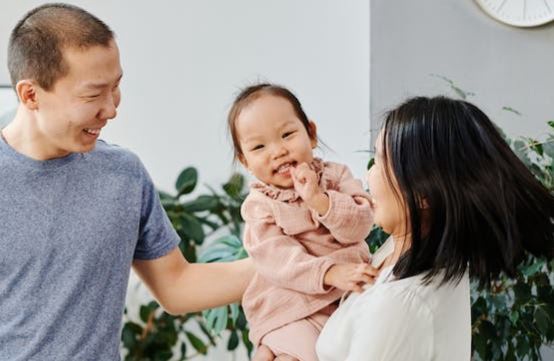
(279, 258)
(349, 218)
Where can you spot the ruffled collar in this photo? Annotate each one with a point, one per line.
(289, 195)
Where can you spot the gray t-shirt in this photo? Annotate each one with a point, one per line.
(69, 231)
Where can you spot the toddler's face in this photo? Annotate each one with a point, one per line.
(273, 140)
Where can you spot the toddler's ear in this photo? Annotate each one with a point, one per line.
(313, 133)
(242, 160)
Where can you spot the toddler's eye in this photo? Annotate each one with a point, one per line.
(259, 146)
(287, 134)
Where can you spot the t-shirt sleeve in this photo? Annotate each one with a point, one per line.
(156, 234)
(394, 328)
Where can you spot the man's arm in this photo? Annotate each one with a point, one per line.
(181, 287)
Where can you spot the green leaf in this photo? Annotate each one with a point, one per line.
(246, 341)
(522, 293)
(197, 343)
(210, 317)
(130, 334)
(548, 149)
(230, 240)
(222, 316)
(542, 320)
(171, 204)
(188, 250)
(522, 347)
(241, 321)
(216, 255)
(146, 310)
(164, 196)
(532, 268)
(183, 350)
(186, 182)
(370, 163)
(234, 186)
(144, 313)
(235, 310)
(192, 227)
(537, 147)
(233, 341)
(551, 123)
(202, 203)
(514, 316)
(512, 110)
(206, 332)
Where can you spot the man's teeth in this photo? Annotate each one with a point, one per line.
(92, 131)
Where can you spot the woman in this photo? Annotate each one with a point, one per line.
(458, 204)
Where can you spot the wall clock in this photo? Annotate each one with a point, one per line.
(521, 13)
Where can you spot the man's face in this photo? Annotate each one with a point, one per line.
(70, 116)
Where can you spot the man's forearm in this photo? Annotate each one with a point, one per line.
(203, 286)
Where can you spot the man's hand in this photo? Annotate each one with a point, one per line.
(350, 276)
(307, 186)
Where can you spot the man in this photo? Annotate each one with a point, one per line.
(77, 212)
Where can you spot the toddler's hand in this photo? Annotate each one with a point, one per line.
(305, 181)
(350, 276)
(307, 186)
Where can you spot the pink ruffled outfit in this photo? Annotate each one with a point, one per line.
(293, 247)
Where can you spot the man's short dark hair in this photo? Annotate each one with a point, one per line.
(35, 50)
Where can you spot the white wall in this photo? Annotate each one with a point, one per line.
(183, 62)
(502, 65)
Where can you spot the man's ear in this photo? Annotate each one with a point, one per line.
(27, 93)
(313, 134)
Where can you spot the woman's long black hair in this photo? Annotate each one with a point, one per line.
(483, 207)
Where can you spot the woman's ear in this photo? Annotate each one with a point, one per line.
(27, 93)
(422, 203)
(313, 133)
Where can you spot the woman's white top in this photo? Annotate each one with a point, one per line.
(400, 320)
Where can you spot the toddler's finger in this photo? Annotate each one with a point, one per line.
(363, 278)
(367, 269)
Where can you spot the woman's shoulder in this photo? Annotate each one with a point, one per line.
(414, 297)
(392, 298)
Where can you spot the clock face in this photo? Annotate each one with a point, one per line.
(524, 13)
